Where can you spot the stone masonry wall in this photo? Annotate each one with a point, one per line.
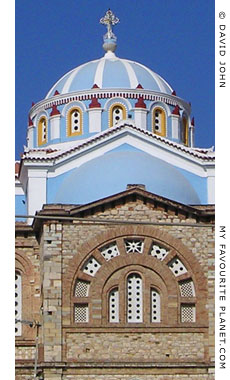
(135, 347)
(141, 377)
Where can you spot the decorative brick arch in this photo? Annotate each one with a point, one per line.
(24, 266)
(149, 234)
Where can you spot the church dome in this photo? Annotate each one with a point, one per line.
(110, 72)
(104, 92)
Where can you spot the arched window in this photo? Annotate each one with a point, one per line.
(134, 298)
(18, 303)
(155, 306)
(117, 113)
(185, 130)
(159, 122)
(74, 122)
(114, 305)
(42, 131)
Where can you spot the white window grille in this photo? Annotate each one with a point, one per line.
(177, 267)
(75, 121)
(91, 266)
(114, 305)
(110, 251)
(188, 313)
(159, 252)
(134, 298)
(134, 246)
(187, 288)
(81, 313)
(155, 306)
(117, 114)
(18, 303)
(81, 288)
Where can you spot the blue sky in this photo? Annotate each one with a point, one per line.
(175, 38)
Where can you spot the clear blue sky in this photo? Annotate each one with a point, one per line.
(175, 38)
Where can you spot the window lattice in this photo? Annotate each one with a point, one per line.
(18, 303)
(81, 288)
(187, 288)
(177, 267)
(188, 313)
(114, 305)
(158, 252)
(155, 306)
(81, 313)
(134, 246)
(134, 298)
(110, 251)
(91, 266)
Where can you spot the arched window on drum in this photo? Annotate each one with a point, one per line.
(117, 113)
(159, 121)
(185, 130)
(42, 131)
(74, 122)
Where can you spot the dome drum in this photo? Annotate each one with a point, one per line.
(99, 118)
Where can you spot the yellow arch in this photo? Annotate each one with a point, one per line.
(162, 116)
(185, 130)
(42, 130)
(118, 105)
(70, 131)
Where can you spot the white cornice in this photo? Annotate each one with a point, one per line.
(62, 161)
(100, 93)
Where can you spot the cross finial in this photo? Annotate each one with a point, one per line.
(109, 20)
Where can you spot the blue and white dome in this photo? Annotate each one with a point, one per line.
(101, 93)
(110, 72)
